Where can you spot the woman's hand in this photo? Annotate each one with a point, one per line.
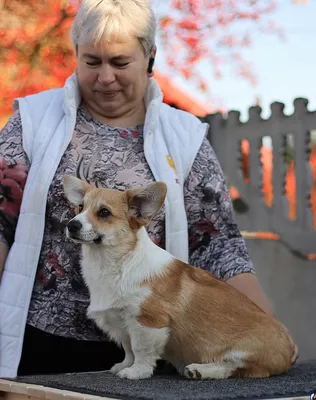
(4, 250)
(248, 284)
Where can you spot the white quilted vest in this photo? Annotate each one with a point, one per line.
(48, 120)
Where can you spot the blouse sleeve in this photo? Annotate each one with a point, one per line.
(14, 166)
(215, 242)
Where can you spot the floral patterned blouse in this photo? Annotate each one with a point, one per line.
(111, 157)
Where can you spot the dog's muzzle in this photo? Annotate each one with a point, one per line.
(74, 226)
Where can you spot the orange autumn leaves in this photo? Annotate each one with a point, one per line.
(214, 31)
(35, 49)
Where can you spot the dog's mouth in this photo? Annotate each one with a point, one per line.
(76, 238)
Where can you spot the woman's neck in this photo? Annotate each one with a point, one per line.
(134, 117)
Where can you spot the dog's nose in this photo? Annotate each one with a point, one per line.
(74, 226)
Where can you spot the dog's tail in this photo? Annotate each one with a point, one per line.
(295, 353)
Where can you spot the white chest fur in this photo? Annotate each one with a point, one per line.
(115, 291)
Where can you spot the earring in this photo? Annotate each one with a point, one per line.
(150, 65)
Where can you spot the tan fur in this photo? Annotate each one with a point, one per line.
(209, 318)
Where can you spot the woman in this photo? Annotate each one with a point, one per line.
(108, 125)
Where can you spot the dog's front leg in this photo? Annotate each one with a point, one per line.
(148, 346)
(113, 324)
(129, 356)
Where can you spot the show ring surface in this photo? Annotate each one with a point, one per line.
(298, 383)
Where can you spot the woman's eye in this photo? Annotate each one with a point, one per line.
(92, 64)
(122, 65)
(80, 207)
(104, 213)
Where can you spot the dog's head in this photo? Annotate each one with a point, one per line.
(111, 217)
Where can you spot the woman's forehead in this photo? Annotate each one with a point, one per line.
(118, 47)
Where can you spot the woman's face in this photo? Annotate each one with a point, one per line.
(113, 76)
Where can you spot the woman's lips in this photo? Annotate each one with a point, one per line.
(107, 94)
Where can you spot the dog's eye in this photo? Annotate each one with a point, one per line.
(80, 207)
(104, 213)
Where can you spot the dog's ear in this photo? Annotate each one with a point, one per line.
(145, 202)
(75, 189)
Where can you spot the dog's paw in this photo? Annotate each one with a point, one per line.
(136, 372)
(192, 371)
(209, 371)
(120, 366)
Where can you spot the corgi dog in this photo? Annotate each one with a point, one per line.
(158, 307)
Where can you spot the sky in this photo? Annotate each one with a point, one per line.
(285, 70)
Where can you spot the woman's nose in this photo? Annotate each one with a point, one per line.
(106, 75)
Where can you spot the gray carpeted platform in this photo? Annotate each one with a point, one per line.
(300, 381)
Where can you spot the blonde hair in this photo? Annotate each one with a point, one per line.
(101, 19)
